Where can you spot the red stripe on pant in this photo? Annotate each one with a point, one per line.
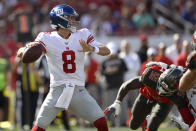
(101, 124)
(187, 116)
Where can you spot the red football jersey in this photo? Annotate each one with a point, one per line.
(150, 78)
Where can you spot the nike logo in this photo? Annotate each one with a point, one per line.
(70, 85)
(80, 90)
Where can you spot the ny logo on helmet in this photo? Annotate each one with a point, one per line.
(59, 11)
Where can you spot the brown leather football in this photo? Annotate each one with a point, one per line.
(32, 53)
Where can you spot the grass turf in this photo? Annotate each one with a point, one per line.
(111, 129)
(94, 129)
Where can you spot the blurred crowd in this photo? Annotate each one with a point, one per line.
(102, 17)
(24, 86)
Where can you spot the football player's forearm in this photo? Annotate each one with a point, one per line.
(127, 86)
(187, 81)
(103, 50)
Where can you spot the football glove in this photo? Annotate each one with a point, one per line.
(179, 124)
(20, 52)
(115, 107)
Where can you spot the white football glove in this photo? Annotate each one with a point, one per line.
(163, 65)
(20, 52)
(180, 124)
(173, 66)
(115, 107)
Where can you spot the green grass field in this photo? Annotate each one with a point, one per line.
(94, 129)
(59, 127)
(111, 129)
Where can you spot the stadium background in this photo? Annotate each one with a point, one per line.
(108, 20)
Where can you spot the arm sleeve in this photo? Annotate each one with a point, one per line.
(90, 38)
(191, 61)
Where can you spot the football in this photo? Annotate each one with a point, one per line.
(32, 53)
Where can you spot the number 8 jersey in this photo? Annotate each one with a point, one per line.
(65, 63)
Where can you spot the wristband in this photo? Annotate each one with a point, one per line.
(117, 101)
(96, 49)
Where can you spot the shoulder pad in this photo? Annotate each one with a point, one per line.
(84, 30)
(150, 77)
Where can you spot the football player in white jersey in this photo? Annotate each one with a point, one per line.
(191, 100)
(188, 79)
(64, 49)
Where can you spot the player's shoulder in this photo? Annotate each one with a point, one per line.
(83, 31)
(45, 34)
(150, 75)
(151, 69)
(154, 68)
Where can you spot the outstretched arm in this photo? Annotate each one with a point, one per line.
(124, 89)
(127, 86)
(188, 80)
(101, 50)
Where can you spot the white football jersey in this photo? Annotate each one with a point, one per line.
(191, 95)
(65, 63)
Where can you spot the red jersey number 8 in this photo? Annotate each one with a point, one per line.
(70, 61)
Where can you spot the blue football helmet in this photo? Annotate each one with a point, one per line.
(61, 16)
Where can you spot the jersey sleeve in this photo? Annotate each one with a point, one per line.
(90, 38)
(191, 61)
(41, 39)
